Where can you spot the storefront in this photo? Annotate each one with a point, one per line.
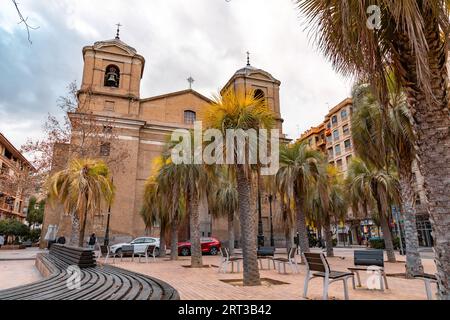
(369, 229)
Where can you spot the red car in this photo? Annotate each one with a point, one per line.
(209, 245)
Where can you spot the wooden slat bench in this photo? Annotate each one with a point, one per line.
(290, 260)
(103, 282)
(266, 253)
(317, 266)
(363, 259)
(83, 258)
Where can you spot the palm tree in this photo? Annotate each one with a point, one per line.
(223, 202)
(154, 212)
(164, 201)
(171, 182)
(405, 158)
(82, 188)
(299, 171)
(377, 190)
(233, 111)
(191, 182)
(383, 139)
(411, 42)
(328, 202)
(286, 218)
(146, 213)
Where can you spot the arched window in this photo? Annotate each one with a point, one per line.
(189, 117)
(258, 94)
(112, 76)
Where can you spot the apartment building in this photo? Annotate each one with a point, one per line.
(14, 168)
(339, 144)
(315, 137)
(333, 137)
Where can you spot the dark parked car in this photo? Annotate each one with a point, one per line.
(209, 245)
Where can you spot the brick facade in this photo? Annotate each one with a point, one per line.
(142, 127)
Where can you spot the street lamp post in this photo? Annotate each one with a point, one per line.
(272, 241)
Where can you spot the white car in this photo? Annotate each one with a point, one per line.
(139, 245)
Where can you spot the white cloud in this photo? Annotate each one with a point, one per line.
(203, 38)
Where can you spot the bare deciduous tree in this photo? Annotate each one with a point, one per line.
(24, 20)
(80, 132)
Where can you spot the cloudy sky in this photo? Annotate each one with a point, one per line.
(203, 38)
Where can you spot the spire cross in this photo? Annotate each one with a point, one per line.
(248, 58)
(191, 81)
(118, 30)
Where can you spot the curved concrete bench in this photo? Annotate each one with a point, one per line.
(102, 282)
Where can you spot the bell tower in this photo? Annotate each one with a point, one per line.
(111, 79)
(261, 84)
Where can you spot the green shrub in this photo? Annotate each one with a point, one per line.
(376, 243)
(33, 235)
(10, 227)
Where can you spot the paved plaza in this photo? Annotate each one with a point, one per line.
(17, 268)
(18, 272)
(205, 283)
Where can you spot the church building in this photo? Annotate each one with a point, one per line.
(110, 91)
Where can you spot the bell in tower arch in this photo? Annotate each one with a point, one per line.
(112, 77)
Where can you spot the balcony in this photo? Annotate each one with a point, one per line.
(10, 163)
(8, 210)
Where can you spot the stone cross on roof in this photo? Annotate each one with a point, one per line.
(191, 81)
(118, 30)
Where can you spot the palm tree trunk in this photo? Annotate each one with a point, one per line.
(413, 261)
(387, 236)
(289, 234)
(432, 123)
(194, 222)
(328, 237)
(247, 220)
(301, 225)
(231, 233)
(75, 229)
(162, 240)
(83, 226)
(174, 241)
(289, 228)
